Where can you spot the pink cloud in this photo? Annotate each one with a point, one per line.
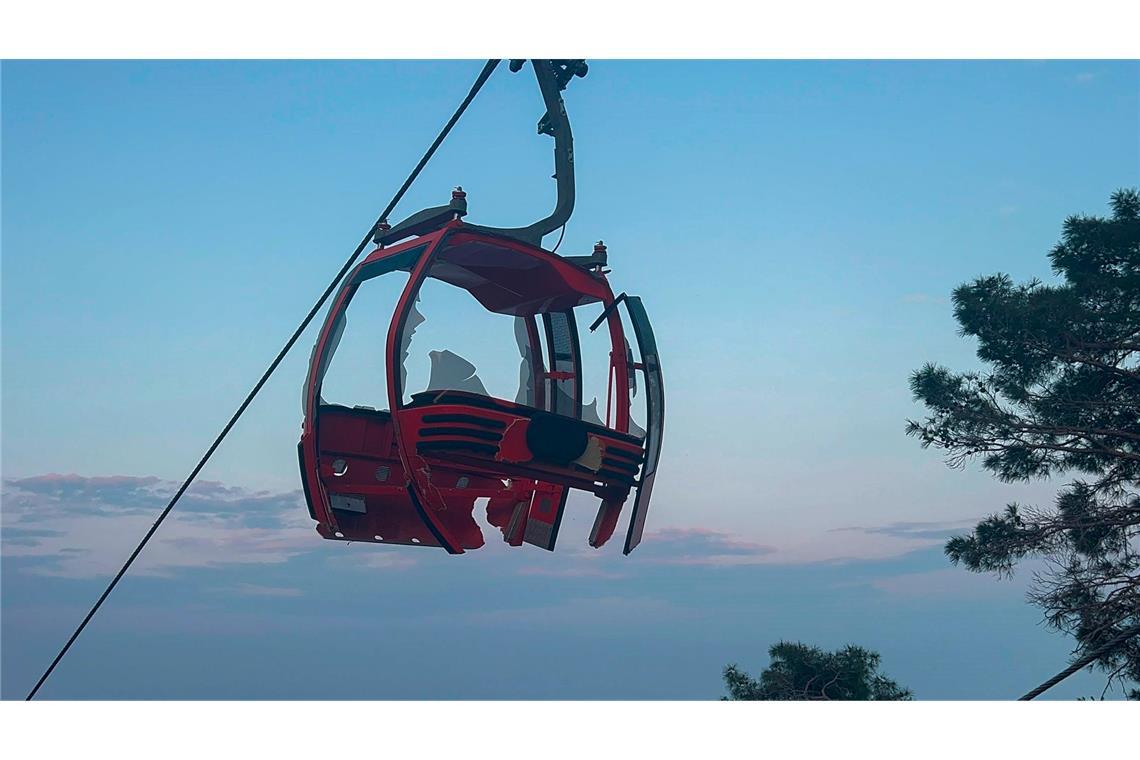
(702, 546)
(76, 526)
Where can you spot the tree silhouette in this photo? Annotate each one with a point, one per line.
(1061, 394)
(801, 672)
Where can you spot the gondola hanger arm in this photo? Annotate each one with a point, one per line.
(552, 75)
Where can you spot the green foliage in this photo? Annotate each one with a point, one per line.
(801, 672)
(1060, 394)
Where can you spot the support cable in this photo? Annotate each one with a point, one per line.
(479, 82)
(1082, 662)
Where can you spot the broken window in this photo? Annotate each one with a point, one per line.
(354, 367)
(451, 342)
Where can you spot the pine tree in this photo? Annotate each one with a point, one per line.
(1060, 396)
(801, 672)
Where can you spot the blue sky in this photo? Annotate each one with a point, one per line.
(794, 228)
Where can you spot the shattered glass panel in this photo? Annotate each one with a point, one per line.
(352, 372)
(635, 429)
(414, 320)
(450, 371)
(561, 401)
(459, 345)
(527, 369)
(590, 413)
(334, 342)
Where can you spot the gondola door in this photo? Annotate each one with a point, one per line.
(650, 366)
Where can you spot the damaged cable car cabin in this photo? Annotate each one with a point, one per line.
(411, 474)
